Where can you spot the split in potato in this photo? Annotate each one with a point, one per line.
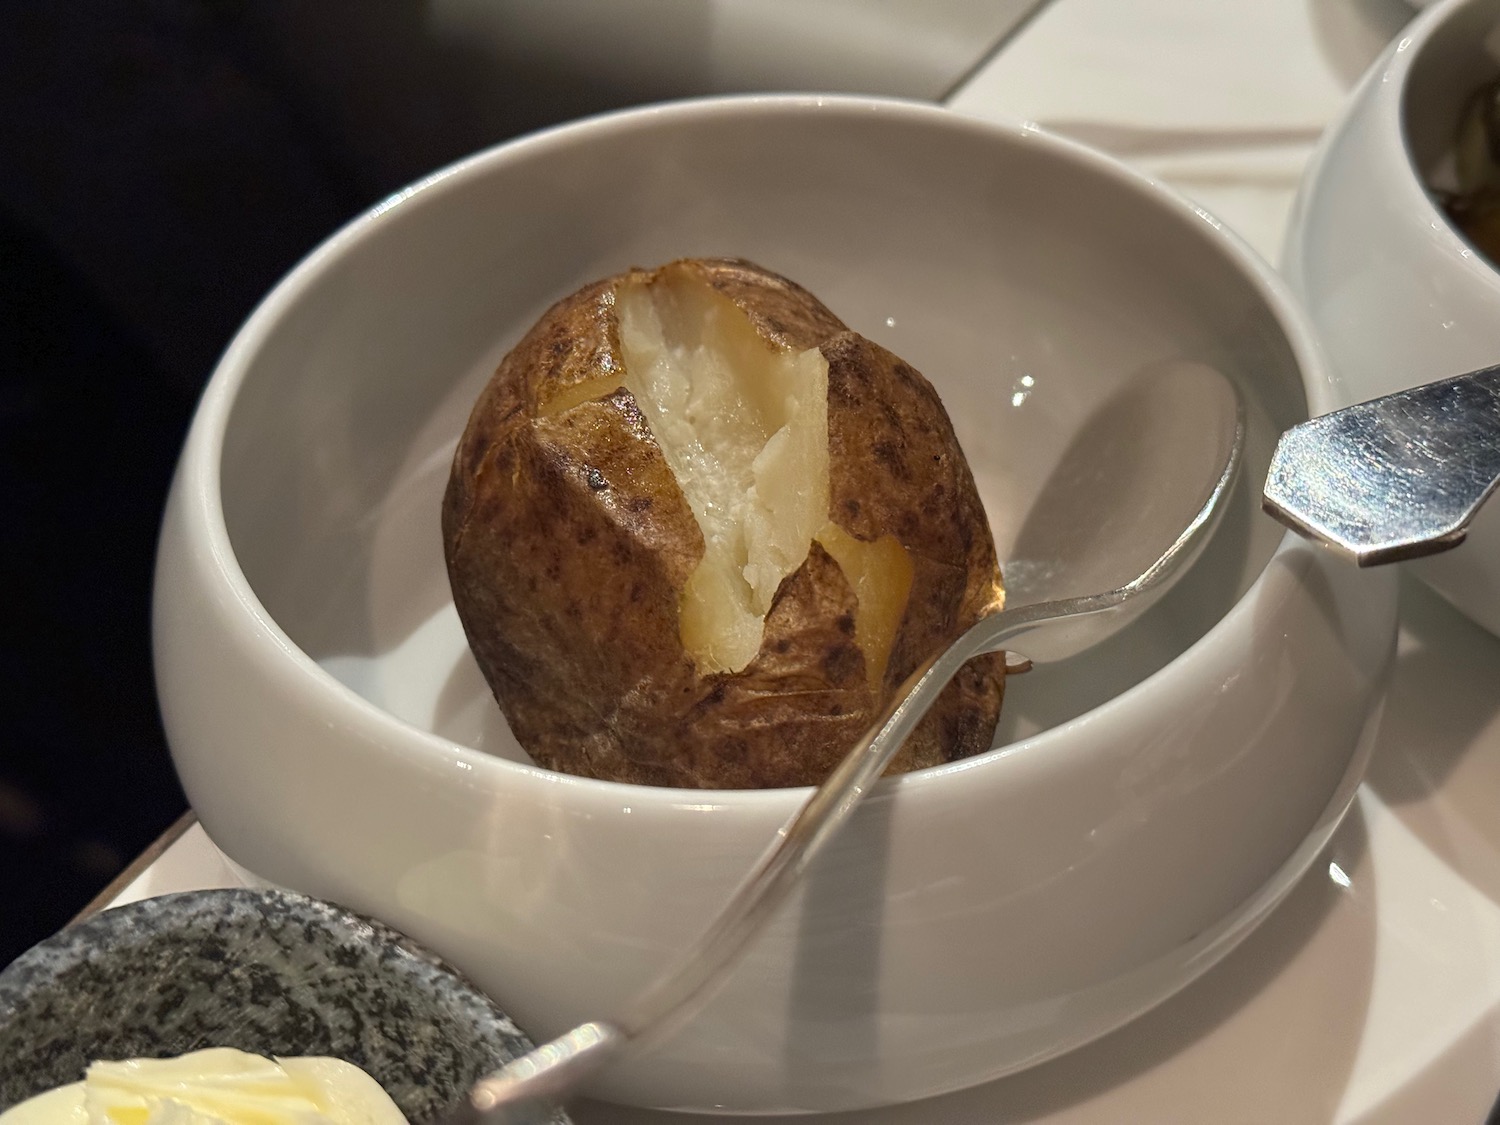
(697, 531)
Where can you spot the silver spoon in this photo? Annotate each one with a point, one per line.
(1131, 504)
(1394, 478)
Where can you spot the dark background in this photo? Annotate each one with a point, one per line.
(162, 164)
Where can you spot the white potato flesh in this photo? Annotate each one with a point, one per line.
(744, 428)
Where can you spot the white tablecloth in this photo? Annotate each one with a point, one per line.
(1222, 99)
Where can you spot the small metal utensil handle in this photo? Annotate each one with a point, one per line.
(1394, 478)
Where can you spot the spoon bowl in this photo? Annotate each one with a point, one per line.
(1131, 504)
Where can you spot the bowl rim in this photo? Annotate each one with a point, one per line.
(199, 468)
(1391, 76)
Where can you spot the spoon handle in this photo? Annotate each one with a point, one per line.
(557, 1067)
(1395, 478)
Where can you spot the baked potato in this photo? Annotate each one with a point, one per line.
(697, 532)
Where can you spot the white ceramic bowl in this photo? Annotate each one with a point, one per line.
(1154, 797)
(1398, 295)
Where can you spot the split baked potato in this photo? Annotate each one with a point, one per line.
(698, 531)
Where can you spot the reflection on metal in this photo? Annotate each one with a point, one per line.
(1395, 478)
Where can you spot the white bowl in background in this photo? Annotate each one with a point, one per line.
(1398, 295)
(1150, 801)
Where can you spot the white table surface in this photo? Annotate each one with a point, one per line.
(1372, 994)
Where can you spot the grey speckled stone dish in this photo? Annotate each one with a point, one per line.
(264, 971)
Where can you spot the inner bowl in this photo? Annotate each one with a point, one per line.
(1147, 802)
(1398, 294)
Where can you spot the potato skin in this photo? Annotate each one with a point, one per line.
(568, 543)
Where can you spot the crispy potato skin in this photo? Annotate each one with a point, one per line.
(568, 542)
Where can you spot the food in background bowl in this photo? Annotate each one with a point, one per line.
(698, 532)
(1474, 202)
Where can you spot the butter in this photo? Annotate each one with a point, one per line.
(217, 1086)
